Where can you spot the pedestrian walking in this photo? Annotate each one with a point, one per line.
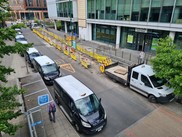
(52, 110)
(141, 57)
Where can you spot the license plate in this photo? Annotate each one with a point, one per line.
(99, 129)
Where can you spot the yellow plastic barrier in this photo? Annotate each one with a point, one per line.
(73, 56)
(85, 62)
(66, 52)
(101, 59)
(58, 47)
(102, 68)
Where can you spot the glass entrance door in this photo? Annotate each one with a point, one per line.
(143, 42)
(140, 41)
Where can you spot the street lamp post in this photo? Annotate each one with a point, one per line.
(70, 23)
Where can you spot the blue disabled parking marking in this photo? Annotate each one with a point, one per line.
(36, 123)
(43, 99)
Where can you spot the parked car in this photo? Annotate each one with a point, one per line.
(30, 54)
(19, 36)
(21, 40)
(18, 30)
(47, 68)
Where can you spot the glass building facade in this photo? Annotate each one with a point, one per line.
(135, 10)
(104, 33)
(151, 11)
(65, 9)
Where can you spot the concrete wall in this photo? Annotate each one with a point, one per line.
(51, 8)
(85, 33)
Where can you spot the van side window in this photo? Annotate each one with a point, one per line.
(72, 106)
(66, 98)
(58, 89)
(146, 81)
(135, 75)
(39, 68)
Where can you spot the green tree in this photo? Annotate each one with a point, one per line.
(8, 103)
(58, 24)
(168, 63)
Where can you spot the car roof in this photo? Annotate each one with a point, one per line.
(73, 87)
(32, 50)
(44, 60)
(19, 36)
(144, 69)
(17, 29)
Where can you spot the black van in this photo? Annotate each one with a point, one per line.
(47, 68)
(30, 54)
(80, 105)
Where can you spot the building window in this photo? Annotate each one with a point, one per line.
(155, 10)
(178, 40)
(104, 33)
(65, 9)
(144, 10)
(167, 9)
(177, 18)
(90, 9)
(136, 10)
(127, 9)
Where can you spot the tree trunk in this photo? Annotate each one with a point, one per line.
(0, 134)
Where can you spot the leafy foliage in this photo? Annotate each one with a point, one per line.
(168, 63)
(7, 111)
(8, 103)
(18, 25)
(58, 24)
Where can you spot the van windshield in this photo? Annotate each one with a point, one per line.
(157, 82)
(87, 105)
(33, 55)
(49, 68)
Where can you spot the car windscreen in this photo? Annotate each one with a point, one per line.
(87, 105)
(33, 55)
(157, 82)
(21, 39)
(49, 68)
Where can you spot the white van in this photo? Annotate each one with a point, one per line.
(80, 105)
(143, 80)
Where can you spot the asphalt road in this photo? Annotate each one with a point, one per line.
(123, 106)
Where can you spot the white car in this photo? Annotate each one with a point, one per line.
(19, 36)
(22, 41)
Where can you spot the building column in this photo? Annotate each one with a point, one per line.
(55, 26)
(65, 26)
(40, 16)
(118, 34)
(34, 15)
(90, 32)
(172, 35)
(19, 15)
(15, 15)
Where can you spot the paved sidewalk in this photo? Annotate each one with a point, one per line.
(123, 55)
(162, 122)
(62, 127)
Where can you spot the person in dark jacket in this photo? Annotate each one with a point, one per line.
(51, 111)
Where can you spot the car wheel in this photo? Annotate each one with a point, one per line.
(152, 99)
